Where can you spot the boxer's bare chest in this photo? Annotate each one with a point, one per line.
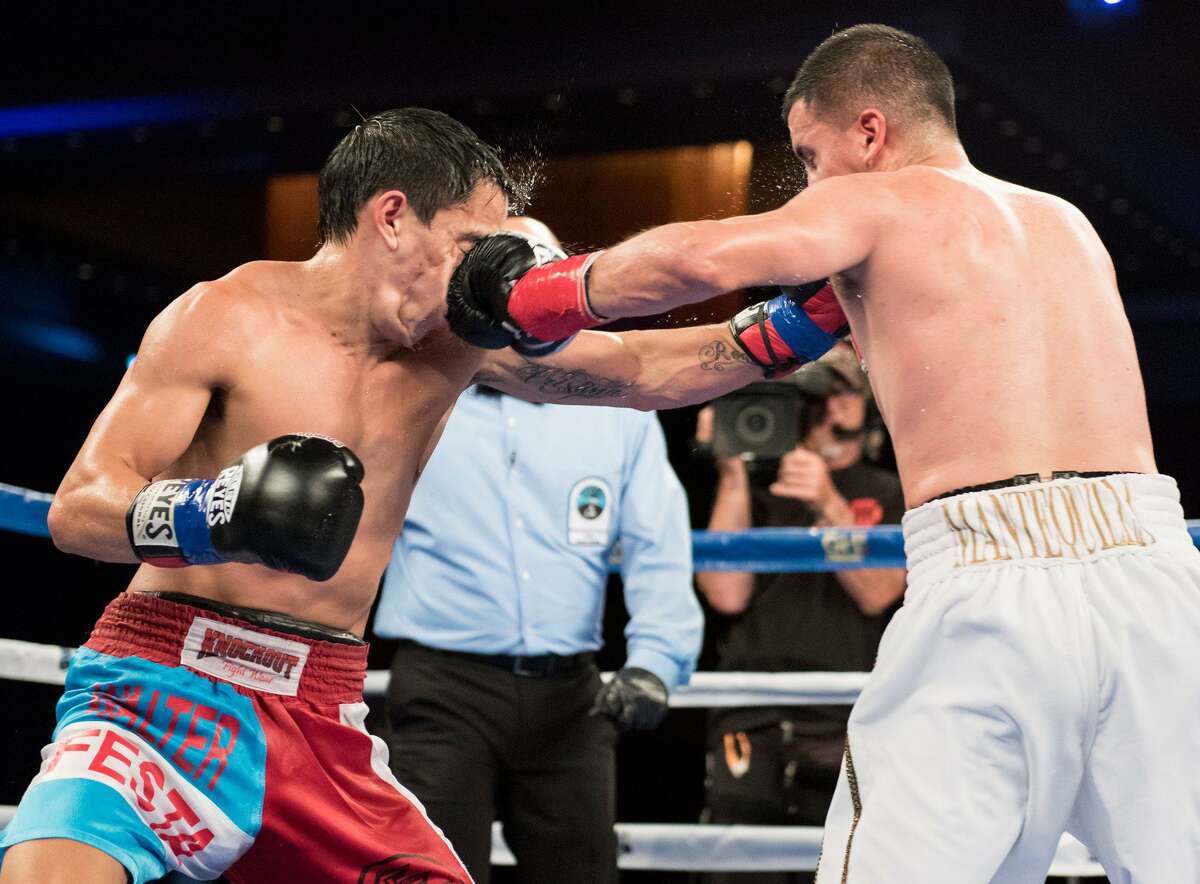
(386, 408)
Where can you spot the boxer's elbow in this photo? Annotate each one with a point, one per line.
(68, 517)
(62, 524)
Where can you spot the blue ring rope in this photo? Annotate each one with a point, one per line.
(759, 550)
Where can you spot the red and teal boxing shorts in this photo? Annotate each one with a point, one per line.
(193, 740)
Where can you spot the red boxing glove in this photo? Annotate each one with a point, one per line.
(794, 328)
(551, 302)
(825, 311)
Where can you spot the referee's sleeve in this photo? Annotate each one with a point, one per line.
(666, 625)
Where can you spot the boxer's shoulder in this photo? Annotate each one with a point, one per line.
(204, 330)
(240, 302)
(867, 198)
(921, 183)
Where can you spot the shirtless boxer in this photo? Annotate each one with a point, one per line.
(213, 722)
(1044, 672)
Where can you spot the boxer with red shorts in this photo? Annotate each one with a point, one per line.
(213, 723)
(203, 738)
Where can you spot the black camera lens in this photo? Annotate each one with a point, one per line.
(755, 424)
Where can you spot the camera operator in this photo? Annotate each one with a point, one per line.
(779, 765)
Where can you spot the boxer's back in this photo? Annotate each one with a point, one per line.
(991, 326)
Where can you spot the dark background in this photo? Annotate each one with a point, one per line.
(146, 147)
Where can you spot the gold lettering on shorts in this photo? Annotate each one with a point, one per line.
(1019, 497)
(1036, 496)
(1139, 535)
(1073, 520)
(1100, 518)
(998, 555)
(1070, 516)
(958, 531)
(1007, 524)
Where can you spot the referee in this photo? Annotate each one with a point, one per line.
(496, 590)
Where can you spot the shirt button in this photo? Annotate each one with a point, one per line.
(524, 575)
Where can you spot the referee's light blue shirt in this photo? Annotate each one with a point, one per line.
(506, 545)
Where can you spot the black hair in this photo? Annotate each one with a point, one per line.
(435, 160)
(868, 63)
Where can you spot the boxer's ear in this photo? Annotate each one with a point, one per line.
(388, 211)
(870, 130)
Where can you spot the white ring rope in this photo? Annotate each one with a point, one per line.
(661, 846)
(684, 847)
(47, 664)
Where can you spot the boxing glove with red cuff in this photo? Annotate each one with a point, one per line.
(503, 294)
(796, 327)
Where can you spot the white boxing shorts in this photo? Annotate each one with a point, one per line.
(1042, 675)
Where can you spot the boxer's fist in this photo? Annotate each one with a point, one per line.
(634, 699)
(513, 291)
(291, 504)
(800, 325)
(297, 508)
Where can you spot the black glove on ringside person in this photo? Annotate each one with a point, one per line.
(634, 699)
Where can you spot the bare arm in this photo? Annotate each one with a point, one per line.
(647, 370)
(873, 590)
(146, 427)
(804, 475)
(729, 591)
(828, 228)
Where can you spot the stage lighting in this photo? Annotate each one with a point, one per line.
(1102, 11)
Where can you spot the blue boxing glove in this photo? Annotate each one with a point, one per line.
(292, 504)
(794, 328)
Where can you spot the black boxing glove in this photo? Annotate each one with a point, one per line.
(514, 290)
(634, 699)
(292, 504)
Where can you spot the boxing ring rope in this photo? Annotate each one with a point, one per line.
(649, 846)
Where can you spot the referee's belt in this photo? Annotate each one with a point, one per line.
(534, 666)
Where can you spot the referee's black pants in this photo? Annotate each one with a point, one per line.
(475, 742)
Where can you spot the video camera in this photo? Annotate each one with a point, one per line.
(764, 421)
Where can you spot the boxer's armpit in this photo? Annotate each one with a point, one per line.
(718, 355)
(570, 383)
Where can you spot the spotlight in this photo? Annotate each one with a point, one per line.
(1099, 12)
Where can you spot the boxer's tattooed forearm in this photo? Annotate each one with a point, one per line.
(718, 356)
(571, 382)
